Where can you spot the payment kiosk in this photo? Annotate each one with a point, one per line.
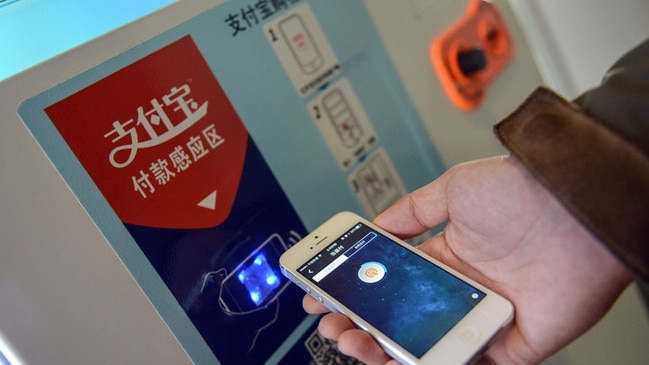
(154, 175)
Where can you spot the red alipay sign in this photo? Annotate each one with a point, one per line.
(159, 138)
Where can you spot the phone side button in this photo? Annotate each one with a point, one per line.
(469, 334)
(320, 299)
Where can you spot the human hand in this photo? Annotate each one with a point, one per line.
(510, 234)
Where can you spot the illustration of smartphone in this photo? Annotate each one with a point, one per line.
(342, 118)
(418, 309)
(301, 44)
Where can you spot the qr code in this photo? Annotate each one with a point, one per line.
(325, 352)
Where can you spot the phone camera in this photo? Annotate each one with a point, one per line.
(316, 237)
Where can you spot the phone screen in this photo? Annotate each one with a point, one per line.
(409, 299)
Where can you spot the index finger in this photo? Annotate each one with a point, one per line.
(312, 306)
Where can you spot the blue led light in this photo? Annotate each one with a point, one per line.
(255, 296)
(271, 279)
(259, 278)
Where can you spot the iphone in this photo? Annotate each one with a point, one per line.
(418, 309)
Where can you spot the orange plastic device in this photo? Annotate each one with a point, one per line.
(469, 55)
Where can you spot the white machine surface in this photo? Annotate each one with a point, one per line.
(75, 289)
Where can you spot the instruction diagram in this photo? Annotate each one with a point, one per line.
(376, 183)
(343, 123)
(303, 49)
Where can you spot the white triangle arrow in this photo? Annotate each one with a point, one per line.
(209, 202)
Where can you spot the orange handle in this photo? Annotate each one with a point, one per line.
(470, 54)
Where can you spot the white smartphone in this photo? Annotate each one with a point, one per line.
(418, 309)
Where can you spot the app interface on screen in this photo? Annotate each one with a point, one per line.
(409, 299)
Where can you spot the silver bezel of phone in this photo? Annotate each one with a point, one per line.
(464, 342)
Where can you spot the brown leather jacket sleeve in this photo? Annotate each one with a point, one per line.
(593, 154)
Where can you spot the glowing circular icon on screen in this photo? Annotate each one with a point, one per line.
(371, 272)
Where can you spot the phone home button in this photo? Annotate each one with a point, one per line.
(468, 334)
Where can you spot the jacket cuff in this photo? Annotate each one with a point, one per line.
(601, 178)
